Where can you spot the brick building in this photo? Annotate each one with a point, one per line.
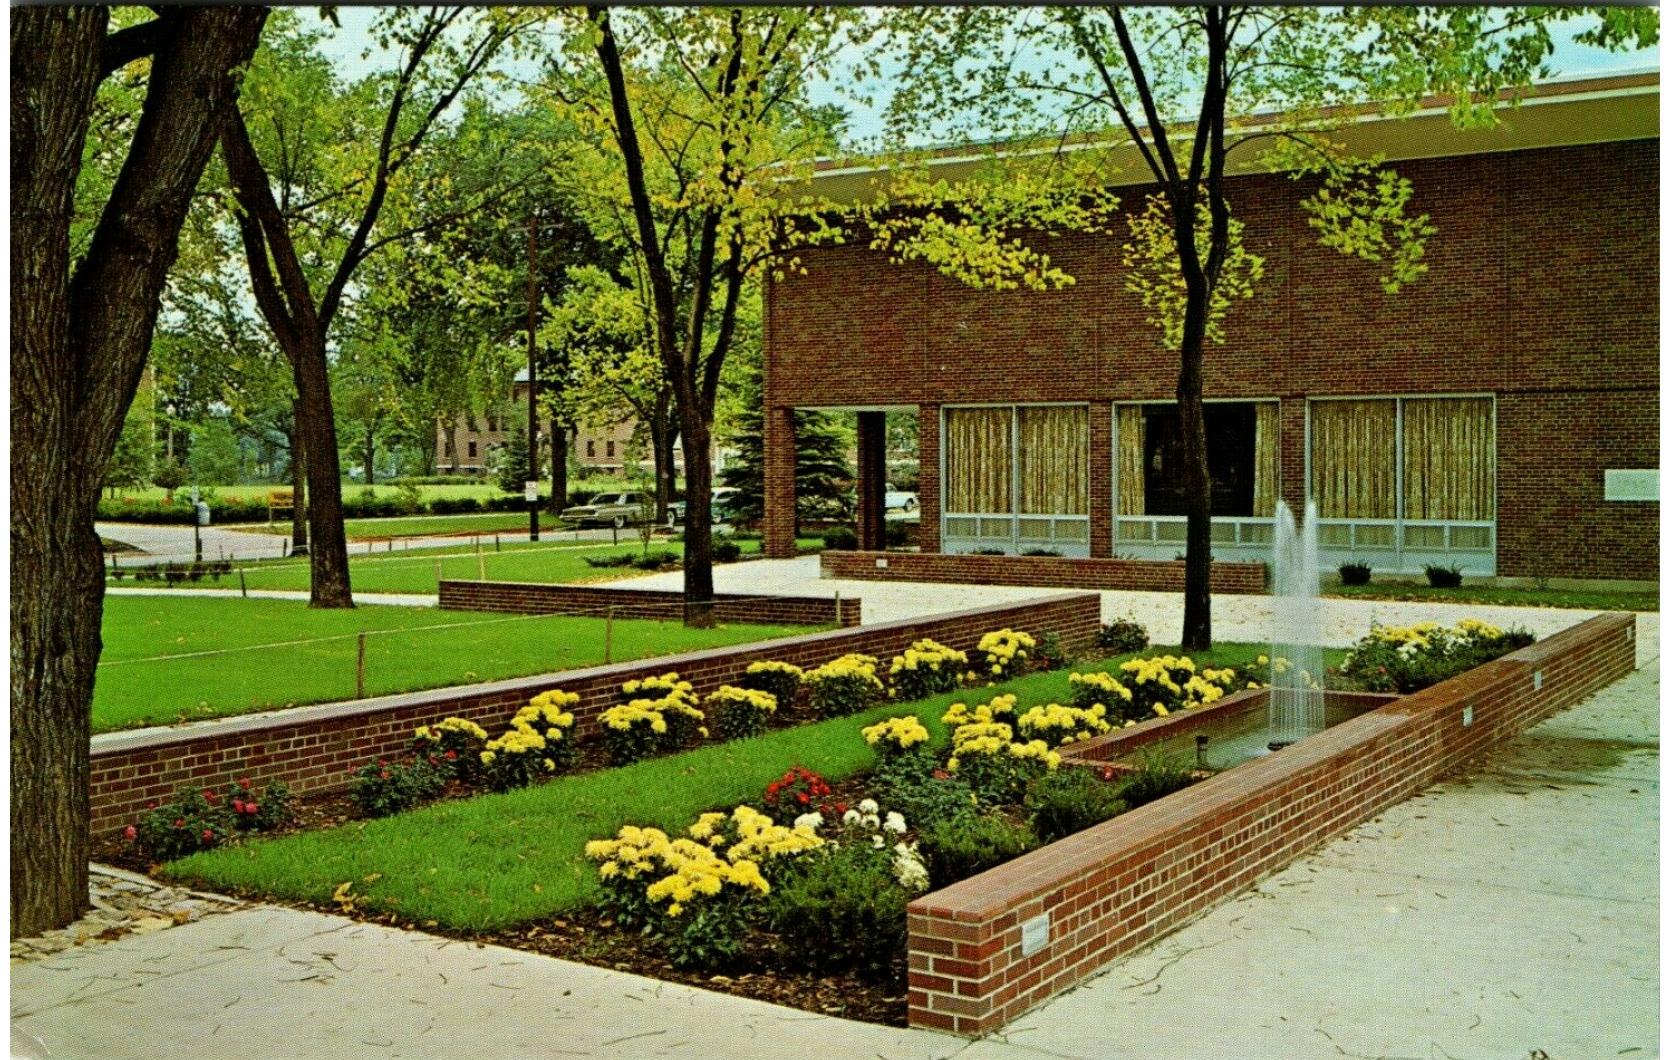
(606, 448)
(1501, 413)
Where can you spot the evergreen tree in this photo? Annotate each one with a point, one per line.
(510, 460)
(822, 474)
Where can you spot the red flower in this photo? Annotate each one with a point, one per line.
(237, 806)
(385, 774)
(940, 774)
(131, 833)
(252, 808)
(210, 797)
(179, 822)
(771, 788)
(451, 756)
(840, 807)
(153, 805)
(208, 835)
(803, 798)
(244, 783)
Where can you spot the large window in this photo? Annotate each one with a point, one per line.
(1017, 478)
(1406, 481)
(1242, 459)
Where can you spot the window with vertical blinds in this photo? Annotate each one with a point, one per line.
(1353, 467)
(979, 460)
(1447, 459)
(1054, 460)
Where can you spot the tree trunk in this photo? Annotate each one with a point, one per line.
(559, 468)
(451, 435)
(78, 347)
(666, 470)
(298, 482)
(1197, 484)
(316, 427)
(698, 523)
(370, 455)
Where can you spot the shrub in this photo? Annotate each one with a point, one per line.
(661, 559)
(739, 712)
(1164, 683)
(1099, 689)
(1003, 653)
(384, 787)
(843, 686)
(551, 715)
(632, 731)
(200, 819)
(1443, 577)
(676, 703)
(1156, 777)
(840, 539)
(898, 533)
(920, 790)
(726, 550)
(780, 679)
(454, 505)
(1068, 801)
(896, 736)
(624, 559)
(1041, 552)
(995, 766)
(987, 552)
(1122, 636)
(456, 742)
(1056, 724)
(1355, 573)
(841, 909)
(926, 668)
(969, 845)
(263, 812)
(799, 791)
(1409, 658)
(999, 708)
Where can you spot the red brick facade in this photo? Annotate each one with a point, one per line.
(1542, 291)
(532, 598)
(1113, 888)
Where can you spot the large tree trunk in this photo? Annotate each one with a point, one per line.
(666, 468)
(78, 348)
(1197, 483)
(451, 434)
(698, 524)
(559, 468)
(298, 482)
(316, 427)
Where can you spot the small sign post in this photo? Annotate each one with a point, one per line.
(530, 492)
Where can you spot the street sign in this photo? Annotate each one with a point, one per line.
(530, 491)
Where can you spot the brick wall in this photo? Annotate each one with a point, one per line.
(315, 749)
(1113, 888)
(1542, 289)
(529, 598)
(1065, 571)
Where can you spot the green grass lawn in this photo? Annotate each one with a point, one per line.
(497, 860)
(1581, 599)
(479, 490)
(239, 655)
(414, 570)
(422, 525)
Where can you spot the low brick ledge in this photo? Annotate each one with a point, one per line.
(315, 748)
(1114, 888)
(541, 598)
(1073, 572)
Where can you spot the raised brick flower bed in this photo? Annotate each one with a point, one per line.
(1062, 571)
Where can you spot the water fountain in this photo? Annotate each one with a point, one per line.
(1296, 697)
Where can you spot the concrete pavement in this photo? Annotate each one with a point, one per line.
(161, 543)
(1512, 910)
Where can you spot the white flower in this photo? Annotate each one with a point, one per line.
(850, 817)
(871, 821)
(809, 821)
(878, 841)
(908, 868)
(868, 806)
(895, 823)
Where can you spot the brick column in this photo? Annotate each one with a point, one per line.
(779, 483)
(872, 481)
(1101, 479)
(1292, 444)
(927, 484)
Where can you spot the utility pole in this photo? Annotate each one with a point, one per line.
(532, 484)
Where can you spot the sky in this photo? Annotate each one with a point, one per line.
(1570, 61)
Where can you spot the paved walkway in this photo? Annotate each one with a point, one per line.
(392, 599)
(1511, 913)
(162, 543)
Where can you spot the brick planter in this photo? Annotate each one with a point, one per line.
(315, 749)
(1059, 571)
(986, 949)
(532, 598)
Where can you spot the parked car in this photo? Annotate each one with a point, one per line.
(608, 509)
(900, 500)
(722, 497)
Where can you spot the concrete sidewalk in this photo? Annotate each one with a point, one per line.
(1512, 910)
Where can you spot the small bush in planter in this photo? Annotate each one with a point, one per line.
(799, 791)
(632, 731)
(1070, 800)
(739, 712)
(384, 787)
(1003, 653)
(840, 908)
(781, 679)
(1355, 573)
(926, 668)
(843, 686)
(1041, 552)
(840, 539)
(657, 560)
(675, 700)
(1443, 577)
(623, 560)
(1056, 724)
(726, 550)
(456, 742)
(516, 758)
(969, 845)
(904, 735)
(917, 788)
(1122, 636)
(551, 715)
(1157, 777)
(987, 552)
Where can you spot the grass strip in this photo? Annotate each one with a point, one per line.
(496, 860)
(185, 658)
(1503, 596)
